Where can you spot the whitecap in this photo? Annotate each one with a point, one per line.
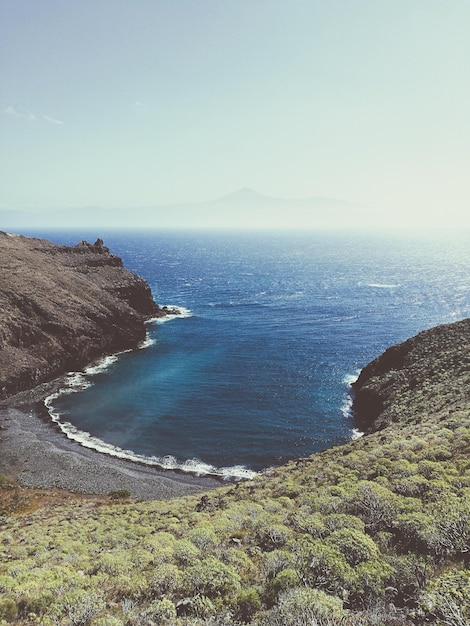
(174, 312)
(102, 365)
(382, 285)
(346, 407)
(146, 343)
(349, 379)
(356, 434)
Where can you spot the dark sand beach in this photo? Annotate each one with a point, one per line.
(38, 455)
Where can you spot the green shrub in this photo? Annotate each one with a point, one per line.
(185, 552)
(247, 603)
(210, 577)
(285, 579)
(8, 610)
(414, 531)
(276, 561)
(107, 620)
(374, 504)
(447, 599)
(80, 606)
(305, 607)
(119, 494)
(354, 545)
(203, 537)
(162, 611)
(38, 604)
(166, 579)
(322, 565)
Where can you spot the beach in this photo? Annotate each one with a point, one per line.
(37, 455)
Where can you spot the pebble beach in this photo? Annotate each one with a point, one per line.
(37, 455)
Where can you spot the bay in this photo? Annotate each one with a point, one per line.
(275, 326)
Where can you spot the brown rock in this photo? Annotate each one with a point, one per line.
(63, 307)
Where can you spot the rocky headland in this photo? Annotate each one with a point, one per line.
(427, 375)
(62, 307)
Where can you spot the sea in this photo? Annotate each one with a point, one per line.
(273, 327)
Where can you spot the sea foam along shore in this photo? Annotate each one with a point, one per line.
(346, 408)
(75, 382)
(40, 456)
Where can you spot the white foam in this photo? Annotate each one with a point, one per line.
(181, 312)
(382, 285)
(349, 379)
(79, 381)
(356, 434)
(102, 365)
(346, 408)
(146, 343)
(169, 462)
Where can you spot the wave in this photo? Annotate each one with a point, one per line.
(381, 285)
(168, 462)
(79, 381)
(356, 434)
(346, 407)
(181, 312)
(146, 343)
(349, 379)
(102, 365)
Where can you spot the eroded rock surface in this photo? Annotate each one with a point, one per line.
(61, 307)
(427, 374)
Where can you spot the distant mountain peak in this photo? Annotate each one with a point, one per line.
(245, 193)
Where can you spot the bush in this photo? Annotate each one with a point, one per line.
(119, 494)
(247, 604)
(322, 565)
(305, 607)
(166, 579)
(162, 611)
(354, 545)
(185, 552)
(8, 610)
(447, 599)
(212, 578)
(107, 620)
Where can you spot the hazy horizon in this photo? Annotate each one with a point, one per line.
(161, 104)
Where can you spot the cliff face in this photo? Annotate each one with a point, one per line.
(427, 374)
(62, 307)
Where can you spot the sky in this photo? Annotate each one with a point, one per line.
(132, 103)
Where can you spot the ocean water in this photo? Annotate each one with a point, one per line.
(274, 327)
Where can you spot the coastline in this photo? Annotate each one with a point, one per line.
(63, 309)
(38, 455)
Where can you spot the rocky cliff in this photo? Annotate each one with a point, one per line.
(427, 374)
(62, 307)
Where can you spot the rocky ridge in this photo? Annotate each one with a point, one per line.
(427, 375)
(62, 307)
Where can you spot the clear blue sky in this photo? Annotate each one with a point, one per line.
(141, 102)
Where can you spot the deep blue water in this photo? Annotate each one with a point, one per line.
(256, 372)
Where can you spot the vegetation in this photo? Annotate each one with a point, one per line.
(372, 533)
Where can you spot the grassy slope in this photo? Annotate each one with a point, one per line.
(373, 532)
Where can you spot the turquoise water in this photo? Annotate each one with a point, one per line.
(275, 326)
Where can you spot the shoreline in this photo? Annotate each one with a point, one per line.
(38, 455)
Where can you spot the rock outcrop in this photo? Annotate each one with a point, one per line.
(61, 307)
(429, 373)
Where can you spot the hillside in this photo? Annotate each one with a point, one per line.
(62, 307)
(372, 533)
